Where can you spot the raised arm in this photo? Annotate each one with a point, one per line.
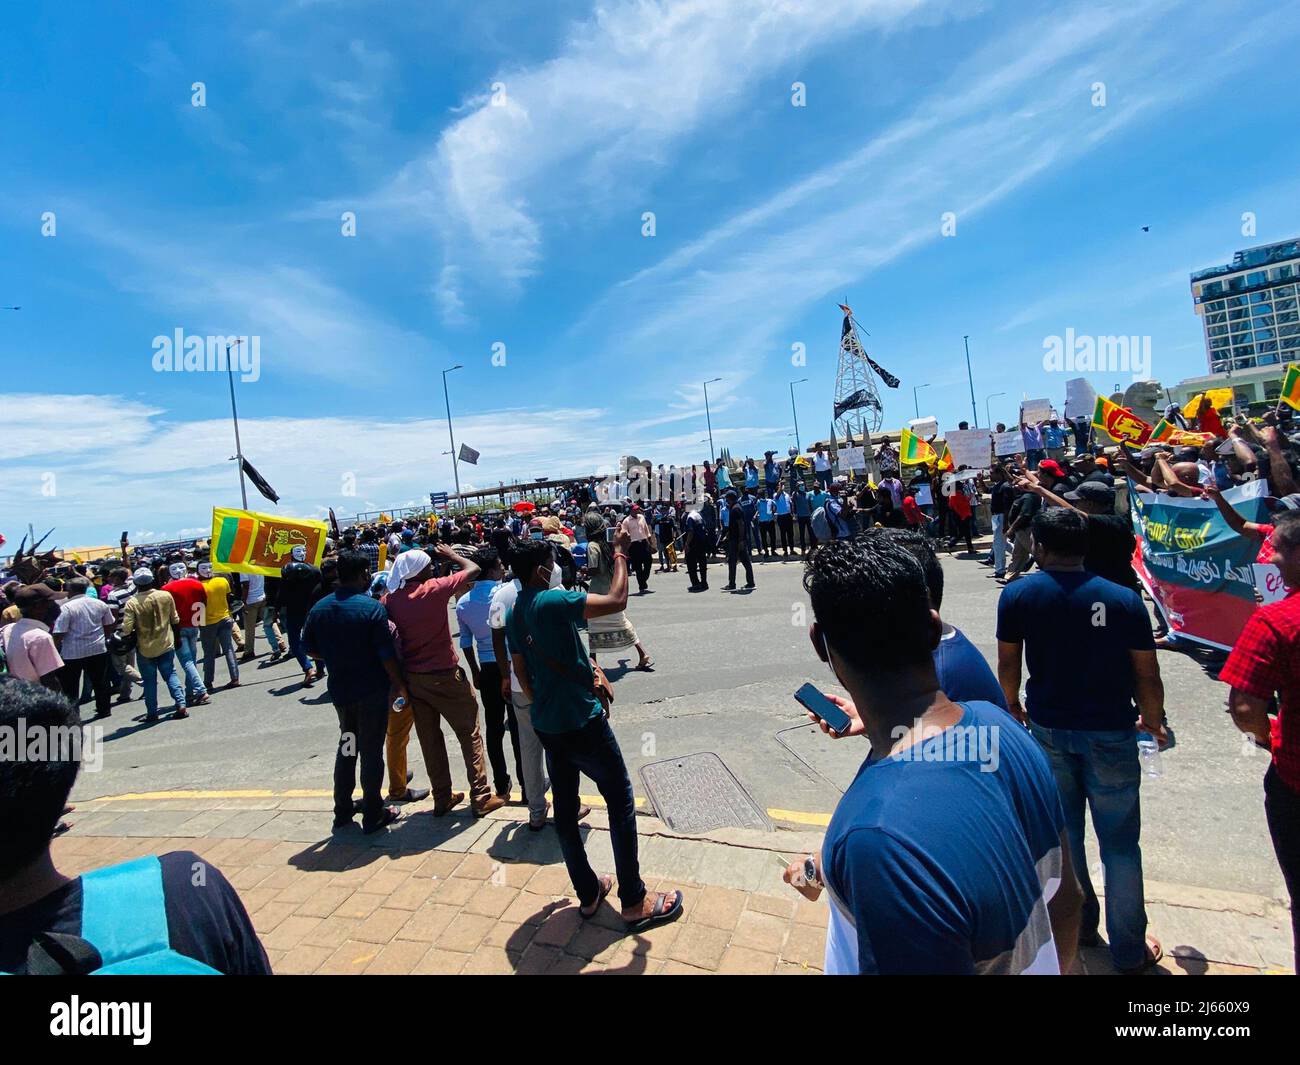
(1235, 521)
(599, 606)
(466, 564)
(1280, 477)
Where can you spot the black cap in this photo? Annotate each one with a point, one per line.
(1092, 492)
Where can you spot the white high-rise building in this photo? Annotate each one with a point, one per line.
(1248, 308)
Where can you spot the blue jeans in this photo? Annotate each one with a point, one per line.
(1101, 769)
(592, 750)
(165, 664)
(187, 650)
(219, 635)
(293, 632)
(999, 544)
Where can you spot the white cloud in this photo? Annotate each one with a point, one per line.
(1016, 109)
(162, 475)
(573, 132)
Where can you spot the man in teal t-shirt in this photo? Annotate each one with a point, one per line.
(554, 671)
(545, 623)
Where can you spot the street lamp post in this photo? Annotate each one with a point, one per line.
(795, 412)
(986, 406)
(708, 419)
(915, 402)
(455, 471)
(974, 414)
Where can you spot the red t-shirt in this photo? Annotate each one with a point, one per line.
(1265, 555)
(191, 600)
(912, 512)
(959, 504)
(1266, 660)
(1210, 422)
(421, 615)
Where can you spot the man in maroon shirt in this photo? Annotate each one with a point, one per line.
(1266, 660)
(417, 603)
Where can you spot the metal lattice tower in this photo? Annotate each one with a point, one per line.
(854, 375)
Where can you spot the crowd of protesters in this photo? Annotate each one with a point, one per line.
(540, 592)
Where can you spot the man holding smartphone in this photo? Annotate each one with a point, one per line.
(938, 858)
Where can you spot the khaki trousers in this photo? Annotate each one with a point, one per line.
(399, 733)
(438, 697)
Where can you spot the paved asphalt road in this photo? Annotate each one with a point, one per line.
(726, 665)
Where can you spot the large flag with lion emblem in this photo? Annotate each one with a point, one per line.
(1120, 423)
(244, 542)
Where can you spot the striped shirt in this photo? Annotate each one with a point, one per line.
(81, 621)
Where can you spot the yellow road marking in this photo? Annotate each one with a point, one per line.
(798, 817)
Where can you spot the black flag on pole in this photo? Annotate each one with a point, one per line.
(856, 400)
(850, 342)
(260, 482)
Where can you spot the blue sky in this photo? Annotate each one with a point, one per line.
(514, 216)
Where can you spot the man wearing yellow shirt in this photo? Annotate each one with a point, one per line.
(217, 629)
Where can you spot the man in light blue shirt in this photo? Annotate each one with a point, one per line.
(784, 520)
(803, 509)
(476, 633)
(1054, 438)
(766, 525)
(1033, 438)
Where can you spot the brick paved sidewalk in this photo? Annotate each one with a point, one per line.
(456, 894)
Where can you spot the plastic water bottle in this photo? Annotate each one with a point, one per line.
(1149, 754)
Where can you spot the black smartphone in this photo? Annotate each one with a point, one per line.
(814, 701)
(609, 534)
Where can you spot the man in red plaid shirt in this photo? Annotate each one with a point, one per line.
(1265, 661)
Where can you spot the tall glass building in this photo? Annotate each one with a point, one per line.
(1248, 308)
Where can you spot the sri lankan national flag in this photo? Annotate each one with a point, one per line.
(1291, 387)
(245, 542)
(913, 451)
(945, 458)
(1119, 423)
(1164, 433)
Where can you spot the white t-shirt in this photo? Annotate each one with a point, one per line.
(821, 463)
(256, 588)
(503, 600)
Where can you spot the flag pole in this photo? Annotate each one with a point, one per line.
(234, 414)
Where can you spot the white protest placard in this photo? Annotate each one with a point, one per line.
(1008, 443)
(924, 427)
(852, 458)
(970, 447)
(1269, 583)
(1033, 411)
(922, 495)
(1080, 398)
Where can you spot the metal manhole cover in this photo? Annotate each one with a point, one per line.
(698, 793)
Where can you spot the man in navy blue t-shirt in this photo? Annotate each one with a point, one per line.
(947, 853)
(349, 630)
(1085, 722)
